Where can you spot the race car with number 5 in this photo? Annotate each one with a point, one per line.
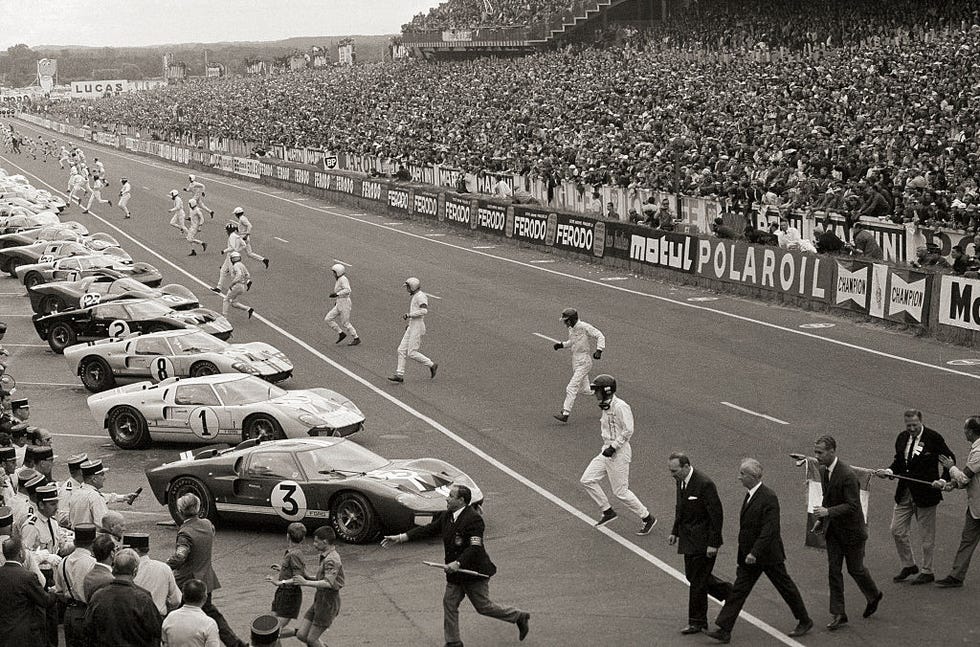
(314, 481)
(173, 353)
(227, 407)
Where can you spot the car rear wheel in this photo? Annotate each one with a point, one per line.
(354, 519)
(127, 428)
(96, 374)
(12, 266)
(262, 425)
(200, 369)
(33, 279)
(60, 337)
(189, 485)
(50, 304)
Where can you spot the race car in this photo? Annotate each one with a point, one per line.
(312, 480)
(221, 407)
(43, 251)
(174, 353)
(121, 318)
(76, 267)
(68, 230)
(19, 220)
(104, 286)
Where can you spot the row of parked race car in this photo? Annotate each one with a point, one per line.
(161, 369)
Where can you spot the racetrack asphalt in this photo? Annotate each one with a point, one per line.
(489, 411)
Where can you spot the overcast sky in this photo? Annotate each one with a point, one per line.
(116, 23)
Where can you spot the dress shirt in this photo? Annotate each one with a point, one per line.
(158, 580)
(188, 626)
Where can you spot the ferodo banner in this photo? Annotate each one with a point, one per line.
(342, 184)
(373, 190)
(459, 211)
(578, 234)
(425, 203)
(398, 199)
(908, 296)
(531, 226)
(768, 268)
(489, 217)
(959, 302)
(852, 286)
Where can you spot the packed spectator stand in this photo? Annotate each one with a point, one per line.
(856, 108)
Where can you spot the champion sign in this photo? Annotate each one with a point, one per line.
(852, 286)
(959, 302)
(906, 297)
(768, 268)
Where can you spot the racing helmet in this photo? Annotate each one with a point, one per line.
(231, 226)
(604, 386)
(173, 193)
(413, 284)
(192, 202)
(239, 211)
(190, 177)
(235, 257)
(570, 317)
(123, 180)
(338, 269)
(74, 170)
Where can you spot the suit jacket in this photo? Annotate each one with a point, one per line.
(698, 516)
(98, 577)
(842, 498)
(22, 614)
(924, 466)
(463, 542)
(199, 535)
(758, 529)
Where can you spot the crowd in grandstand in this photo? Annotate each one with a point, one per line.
(882, 118)
(473, 14)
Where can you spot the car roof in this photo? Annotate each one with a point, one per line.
(298, 444)
(217, 378)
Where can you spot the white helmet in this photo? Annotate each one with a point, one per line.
(413, 284)
(235, 257)
(74, 169)
(190, 177)
(174, 194)
(239, 211)
(192, 203)
(338, 269)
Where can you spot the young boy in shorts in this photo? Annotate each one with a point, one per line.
(289, 597)
(329, 580)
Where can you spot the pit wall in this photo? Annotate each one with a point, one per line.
(890, 293)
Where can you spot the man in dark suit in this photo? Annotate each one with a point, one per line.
(24, 608)
(760, 550)
(841, 519)
(462, 529)
(917, 452)
(192, 561)
(698, 519)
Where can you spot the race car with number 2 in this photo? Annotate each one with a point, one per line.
(314, 481)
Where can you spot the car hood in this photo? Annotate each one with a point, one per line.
(261, 358)
(427, 478)
(207, 320)
(324, 403)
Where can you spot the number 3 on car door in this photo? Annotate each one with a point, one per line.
(289, 500)
(204, 422)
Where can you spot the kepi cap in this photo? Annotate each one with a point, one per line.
(138, 540)
(91, 468)
(8, 454)
(6, 517)
(47, 492)
(265, 630)
(84, 533)
(24, 476)
(19, 403)
(74, 462)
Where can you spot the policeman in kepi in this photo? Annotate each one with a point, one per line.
(616, 427)
(581, 336)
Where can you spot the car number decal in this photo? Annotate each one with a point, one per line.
(45, 258)
(161, 368)
(203, 422)
(71, 275)
(90, 299)
(118, 328)
(288, 500)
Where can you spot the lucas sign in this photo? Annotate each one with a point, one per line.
(95, 89)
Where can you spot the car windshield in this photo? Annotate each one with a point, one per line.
(197, 342)
(146, 310)
(123, 286)
(247, 390)
(344, 456)
(90, 262)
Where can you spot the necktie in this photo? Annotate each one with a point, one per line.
(745, 503)
(51, 546)
(908, 453)
(683, 486)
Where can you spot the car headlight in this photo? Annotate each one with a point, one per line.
(311, 420)
(242, 367)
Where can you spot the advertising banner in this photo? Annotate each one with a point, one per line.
(342, 184)
(877, 295)
(95, 89)
(398, 199)
(760, 266)
(374, 190)
(426, 204)
(579, 234)
(959, 302)
(531, 225)
(246, 167)
(908, 297)
(652, 247)
(852, 286)
(459, 211)
(490, 217)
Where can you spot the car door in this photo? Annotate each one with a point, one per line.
(66, 269)
(271, 482)
(149, 357)
(197, 411)
(108, 320)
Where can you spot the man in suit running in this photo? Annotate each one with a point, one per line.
(462, 529)
(841, 519)
(760, 550)
(698, 518)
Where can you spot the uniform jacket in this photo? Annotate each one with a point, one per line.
(924, 466)
(22, 614)
(198, 534)
(971, 483)
(463, 542)
(758, 529)
(842, 498)
(698, 516)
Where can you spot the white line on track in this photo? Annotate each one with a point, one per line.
(26, 345)
(147, 188)
(54, 384)
(394, 224)
(12, 294)
(754, 413)
(300, 199)
(434, 235)
(434, 296)
(281, 239)
(81, 436)
(17, 315)
(485, 247)
(548, 260)
(616, 278)
(345, 263)
(551, 339)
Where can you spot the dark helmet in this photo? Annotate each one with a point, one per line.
(569, 316)
(231, 226)
(604, 386)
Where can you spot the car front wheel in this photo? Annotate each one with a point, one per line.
(262, 426)
(33, 279)
(353, 518)
(189, 485)
(61, 337)
(200, 369)
(127, 428)
(96, 374)
(50, 304)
